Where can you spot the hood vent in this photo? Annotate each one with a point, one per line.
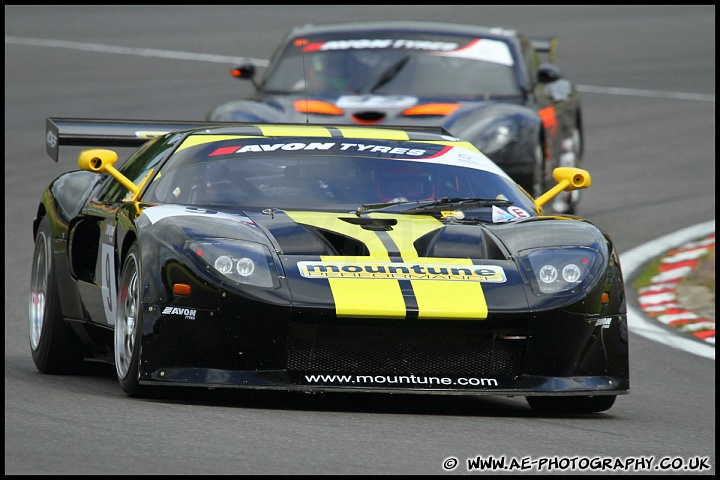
(368, 117)
(374, 224)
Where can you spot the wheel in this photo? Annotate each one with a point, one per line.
(590, 404)
(55, 347)
(128, 325)
(537, 187)
(578, 151)
(567, 202)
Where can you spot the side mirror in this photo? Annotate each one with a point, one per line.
(548, 73)
(245, 71)
(568, 178)
(101, 161)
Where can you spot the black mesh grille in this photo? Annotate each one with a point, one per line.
(430, 349)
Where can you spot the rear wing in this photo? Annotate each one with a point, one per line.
(545, 46)
(86, 132)
(89, 132)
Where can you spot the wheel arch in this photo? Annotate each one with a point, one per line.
(39, 215)
(127, 242)
(579, 124)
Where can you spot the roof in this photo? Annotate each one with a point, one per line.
(403, 25)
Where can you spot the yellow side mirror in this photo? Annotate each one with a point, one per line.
(568, 179)
(101, 161)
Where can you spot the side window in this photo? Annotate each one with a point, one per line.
(137, 167)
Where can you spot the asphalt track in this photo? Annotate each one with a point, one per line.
(647, 78)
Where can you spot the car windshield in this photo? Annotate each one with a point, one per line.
(396, 64)
(320, 173)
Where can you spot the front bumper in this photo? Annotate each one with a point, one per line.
(554, 353)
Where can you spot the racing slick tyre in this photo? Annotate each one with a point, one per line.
(537, 185)
(567, 202)
(591, 404)
(128, 325)
(578, 151)
(55, 347)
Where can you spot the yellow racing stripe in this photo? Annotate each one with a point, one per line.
(383, 298)
(294, 131)
(357, 297)
(373, 133)
(438, 298)
(194, 140)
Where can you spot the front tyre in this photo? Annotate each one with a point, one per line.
(567, 202)
(55, 347)
(537, 185)
(590, 404)
(128, 324)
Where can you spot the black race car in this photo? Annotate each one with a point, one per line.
(320, 258)
(485, 85)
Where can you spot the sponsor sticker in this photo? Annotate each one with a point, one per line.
(108, 288)
(325, 146)
(401, 381)
(157, 213)
(187, 313)
(376, 101)
(381, 43)
(603, 322)
(513, 213)
(403, 271)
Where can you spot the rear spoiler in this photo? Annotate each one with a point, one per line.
(90, 132)
(546, 46)
(86, 132)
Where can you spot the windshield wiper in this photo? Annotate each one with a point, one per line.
(437, 205)
(457, 203)
(390, 73)
(377, 206)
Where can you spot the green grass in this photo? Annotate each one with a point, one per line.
(704, 274)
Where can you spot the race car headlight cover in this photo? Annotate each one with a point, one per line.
(237, 262)
(497, 135)
(562, 269)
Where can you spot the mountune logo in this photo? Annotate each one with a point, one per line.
(403, 271)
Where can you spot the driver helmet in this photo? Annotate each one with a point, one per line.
(332, 71)
(404, 183)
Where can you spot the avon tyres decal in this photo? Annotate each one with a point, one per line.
(186, 313)
(380, 43)
(484, 49)
(332, 147)
(447, 288)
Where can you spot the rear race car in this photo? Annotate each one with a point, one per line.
(494, 87)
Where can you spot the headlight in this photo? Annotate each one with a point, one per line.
(237, 261)
(497, 136)
(560, 269)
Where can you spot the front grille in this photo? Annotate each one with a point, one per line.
(419, 348)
